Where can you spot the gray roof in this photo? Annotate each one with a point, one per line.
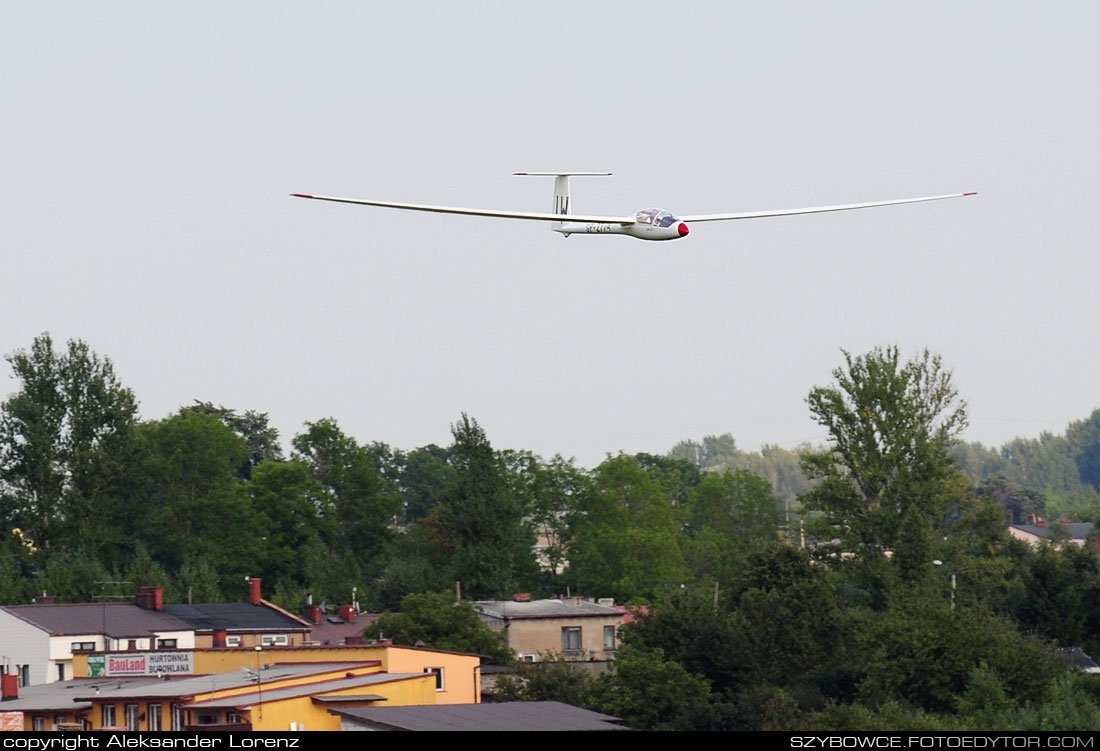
(519, 715)
(62, 695)
(216, 681)
(568, 608)
(255, 697)
(334, 629)
(116, 619)
(1076, 530)
(1079, 660)
(234, 616)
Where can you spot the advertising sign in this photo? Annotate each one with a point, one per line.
(141, 663)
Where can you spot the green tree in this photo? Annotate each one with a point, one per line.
(732, 512)
(483, 524)
(627, 540)
(648, 691)
(890, 424)
(1020, 504)
(551, 678)
(262, 439)
(65, 447)
(426, 473)
(354, 502)
(194, 505)
(438, 622)
(291, 501)
(921, 651)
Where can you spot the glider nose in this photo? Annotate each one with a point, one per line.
(682, 229)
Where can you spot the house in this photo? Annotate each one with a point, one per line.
(577, 629)
(241, 624)
(520, 715)
(1036, 534)
(280, 697)
(346, 626)
(50, 706)
(442, 678)
(37, 642)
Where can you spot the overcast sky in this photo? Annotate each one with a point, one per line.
(149, 150)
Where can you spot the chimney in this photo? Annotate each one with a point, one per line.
(254, 591)
(9, 687)
(521, 597)
(347, 612)
(44, 599)
(151, 598)
(313, 613)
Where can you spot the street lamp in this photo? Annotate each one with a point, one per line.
(954, 574)
(259, 682)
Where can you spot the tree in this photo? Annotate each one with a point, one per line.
(921, 651)
(253, 427)
(627, 542)
(65, 446)
(353, 499)
(1021, 504)
(551, 678)
(481, 522)
(648, 691)
(291, 501)
(890, 425)
(438, 622)
(194, 504)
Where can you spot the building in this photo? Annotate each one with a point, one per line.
(51, 706)
(509, 716)
(577, 629)
(279, 697)
(241, 624)
(344, 627)
(37, 642)
(1036, 534)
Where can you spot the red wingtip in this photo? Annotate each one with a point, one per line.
(301, 195)
(971, 194)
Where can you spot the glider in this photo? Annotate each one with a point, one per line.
(647, 224)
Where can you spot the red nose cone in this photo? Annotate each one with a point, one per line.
(682, 229)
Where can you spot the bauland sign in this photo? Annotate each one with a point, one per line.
(142, 663)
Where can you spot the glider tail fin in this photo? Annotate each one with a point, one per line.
(561, 191)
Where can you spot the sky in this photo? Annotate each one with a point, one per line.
(149, 151)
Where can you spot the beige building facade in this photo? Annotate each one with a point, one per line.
(579, 630)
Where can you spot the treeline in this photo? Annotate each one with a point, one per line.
(910, 609)
(196, 501)
(1055, 476)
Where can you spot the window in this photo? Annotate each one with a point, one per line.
(58, 719)
(570, 639)
(166, 643)
(438, 677)
(232, 641)
(132, 722)
(39, 722)
(177, 717)
(232, 718)
(275, 640)
(24, 675)
(608, 637)
(152, 711)
(107, 715)
(83, 646)
(60, 671)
